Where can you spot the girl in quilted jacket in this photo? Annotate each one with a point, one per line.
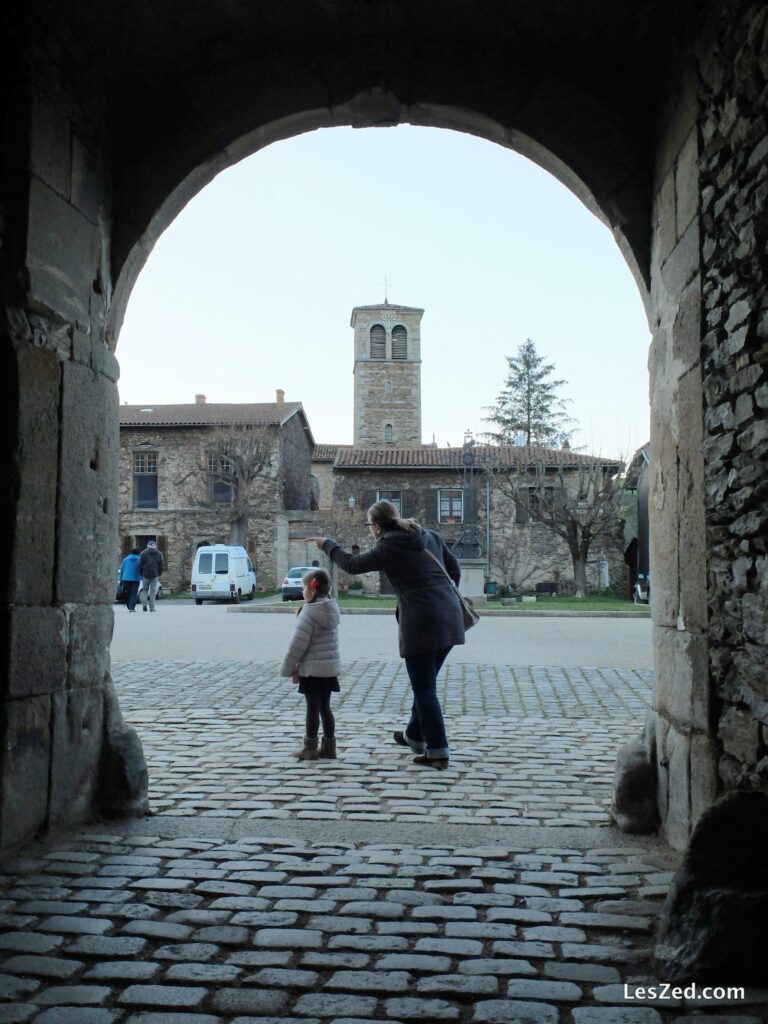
(314, 663)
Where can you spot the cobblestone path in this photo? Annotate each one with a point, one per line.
(202, 915)
(530, 746)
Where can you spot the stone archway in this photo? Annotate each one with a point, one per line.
(116, 123)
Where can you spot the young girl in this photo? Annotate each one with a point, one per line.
(314, 663)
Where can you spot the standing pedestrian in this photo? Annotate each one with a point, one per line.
(130, 578)
(151, 565)
(313, 661)
(429, 615)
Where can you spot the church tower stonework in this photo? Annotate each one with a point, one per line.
(387, 376)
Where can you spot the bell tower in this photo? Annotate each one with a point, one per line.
(387, 376)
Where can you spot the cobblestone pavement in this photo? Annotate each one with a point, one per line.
(530, 746)
(140, 930)
(204, 914)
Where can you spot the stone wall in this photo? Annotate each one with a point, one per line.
(524, 554)
(686, 778)
(733, 65)
(59, 442)
(184, 517)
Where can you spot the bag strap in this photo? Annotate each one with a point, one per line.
(437, 560)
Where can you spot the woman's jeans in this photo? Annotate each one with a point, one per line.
(132, 589)
(425, 732)
(319, 706)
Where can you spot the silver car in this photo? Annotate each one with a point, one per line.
(292, 586)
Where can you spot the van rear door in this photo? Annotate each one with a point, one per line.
(212, 572)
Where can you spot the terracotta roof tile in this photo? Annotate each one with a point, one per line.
(208, 414)
(328, 452)
(451, 458)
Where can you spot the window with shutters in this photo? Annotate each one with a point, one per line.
(378, 342)
(145, 479)
(521, 506)
(450, 506)
(388, 433)
(394, 497)
(219, 477)
(541, 501)
(399, 342)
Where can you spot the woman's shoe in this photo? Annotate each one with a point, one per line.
(400, 739)
(441, 763)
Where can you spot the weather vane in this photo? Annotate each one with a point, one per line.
(385, 290)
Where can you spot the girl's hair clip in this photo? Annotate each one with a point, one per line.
(313, 584)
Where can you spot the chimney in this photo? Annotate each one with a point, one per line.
(280, 396)
(199, 399)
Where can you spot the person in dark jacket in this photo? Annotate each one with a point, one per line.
(429, 615)
(130, 578)
(151, 565)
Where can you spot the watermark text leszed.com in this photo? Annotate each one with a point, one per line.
(666, 990)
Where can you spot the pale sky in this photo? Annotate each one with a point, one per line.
(252, 286)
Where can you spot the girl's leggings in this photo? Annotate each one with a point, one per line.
(319, 707)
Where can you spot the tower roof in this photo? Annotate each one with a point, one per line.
(384, 307)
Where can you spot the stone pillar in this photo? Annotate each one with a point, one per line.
(59, 446)
(685, 751)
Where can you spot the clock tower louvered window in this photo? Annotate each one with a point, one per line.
(399, 342)
(378, 342)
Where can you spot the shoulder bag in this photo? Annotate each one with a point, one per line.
(471, 618)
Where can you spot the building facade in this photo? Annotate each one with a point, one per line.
(170, 489)
(387, 375)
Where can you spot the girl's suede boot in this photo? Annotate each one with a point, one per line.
(328, 747)
(309, 751)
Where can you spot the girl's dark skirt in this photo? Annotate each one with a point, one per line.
(319, 684)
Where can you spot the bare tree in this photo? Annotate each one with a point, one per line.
(581, 504)
(231, 461)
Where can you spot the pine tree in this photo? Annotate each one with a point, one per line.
(529, 405)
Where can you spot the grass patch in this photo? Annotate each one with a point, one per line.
(605, 602)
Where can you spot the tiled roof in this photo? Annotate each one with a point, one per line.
(391, 306)
(328, 452)
(208, 414)
(451, 458)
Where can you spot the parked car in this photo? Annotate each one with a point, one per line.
(223, 572)
(292, 586)
(120, 598)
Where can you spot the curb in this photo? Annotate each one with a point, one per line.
(494, 613)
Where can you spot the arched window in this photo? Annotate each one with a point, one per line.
(388, 433)
(399, 342)
(378, 342)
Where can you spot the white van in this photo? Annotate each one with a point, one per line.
(222, 573)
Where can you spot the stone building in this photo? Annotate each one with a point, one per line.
(169, 490)
(387, 375)
(468, 509)
(652, 114)
(388, 461)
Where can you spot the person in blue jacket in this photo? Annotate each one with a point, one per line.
(130, 578)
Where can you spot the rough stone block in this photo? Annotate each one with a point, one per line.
(663, 522)
(691, 503)
(90, 633)
(49, 155)
(683, 262)
(37, 475)
(740, 734)
(682, 677)
(77, 741)
(665, 220)
(37, 649)
(633, 799)
(25, 754)
(679, 118)
(63, 250)
(677, 826)
(715, 919)
(686, 335)
(123, 778)
(90, 190)
(662, 776)
(687, 182)
(704, 776)
(87, 520)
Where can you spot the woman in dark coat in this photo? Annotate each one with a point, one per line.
(428, 612)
